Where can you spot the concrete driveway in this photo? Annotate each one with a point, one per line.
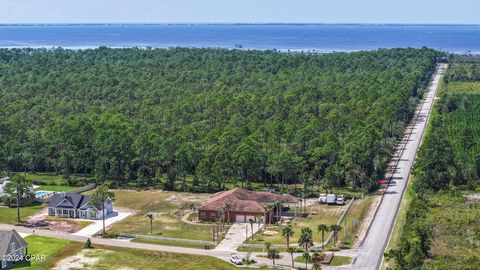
(97, 225)
(236, 236)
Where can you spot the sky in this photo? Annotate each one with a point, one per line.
(244, 11)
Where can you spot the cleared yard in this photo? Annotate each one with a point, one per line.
(320, 214)
(52, 249)
(9, 215)
(167, 209)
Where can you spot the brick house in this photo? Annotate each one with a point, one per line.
(244, 205)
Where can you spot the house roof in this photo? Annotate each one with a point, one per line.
(7, 237)
(242, 200)
(72, 200)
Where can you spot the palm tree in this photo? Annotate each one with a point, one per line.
(150, 216)
(335, 229)
(323, 228)
(317, 257)
(273, 254)
(306, 257)
(221, 218)
(316, 266)
(251, 225)
(267, 210)
(228, 207)
(291, 250)
(287, 232)
(306, 239)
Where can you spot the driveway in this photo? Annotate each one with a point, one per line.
(236, 236)
(97, 225)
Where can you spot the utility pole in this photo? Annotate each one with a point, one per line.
(246, 233)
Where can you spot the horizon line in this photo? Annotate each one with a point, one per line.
(240, 23)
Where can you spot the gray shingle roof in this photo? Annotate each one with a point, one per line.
(6, 238)
(72, 200)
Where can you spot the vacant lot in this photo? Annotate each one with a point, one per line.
(9, 215)
(167, 209)
(52, 248)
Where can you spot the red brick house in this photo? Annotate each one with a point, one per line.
(244, 205)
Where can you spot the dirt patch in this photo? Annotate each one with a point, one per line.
(269, 233)
(85, 259)
(55, 225)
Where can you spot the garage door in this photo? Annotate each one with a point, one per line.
(240, 218)
(250, 217)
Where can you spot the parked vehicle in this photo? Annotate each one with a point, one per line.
(331, 198)
(322, 198)
(235, 259)
(340, 199)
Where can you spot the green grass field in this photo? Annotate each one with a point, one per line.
(52, 248)
(168, 243)
(165, 207)
(61, 188)
(464, 87)
(9, 215)
(336, 261)
(102, 257)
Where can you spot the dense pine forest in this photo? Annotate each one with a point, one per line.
(442, 229)
(195, 119)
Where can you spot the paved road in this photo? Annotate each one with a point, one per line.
(370, 253)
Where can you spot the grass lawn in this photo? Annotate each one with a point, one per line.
(104, 257)
(121, 258)
(9, 215)
(321, 214)
(56, 188)
(168, 243)
(464, 87)
(166, 208)
(358, 211)
(52, 248)
(336, 261)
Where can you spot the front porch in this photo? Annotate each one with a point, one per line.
(72, 213)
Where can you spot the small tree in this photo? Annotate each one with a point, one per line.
(150, 216)
(306, 257)
(99, 198)
(335, 228)
(19, 189)
(316, 266)
(228, 207)
(291, 250)
(251, 226)
(273, 254)
(323, 228)
(287, 232)
(306, 240)
(88, 244)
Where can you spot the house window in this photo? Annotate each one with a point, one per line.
(212, 215)
(12, 247)
(202, 215)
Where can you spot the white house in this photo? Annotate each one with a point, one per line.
(73, 205)
(3, 182)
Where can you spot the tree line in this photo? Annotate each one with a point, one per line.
(448, 162)
(194, 119)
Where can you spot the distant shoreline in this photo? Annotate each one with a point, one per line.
(233, 24)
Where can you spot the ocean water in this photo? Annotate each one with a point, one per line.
(321, 38)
